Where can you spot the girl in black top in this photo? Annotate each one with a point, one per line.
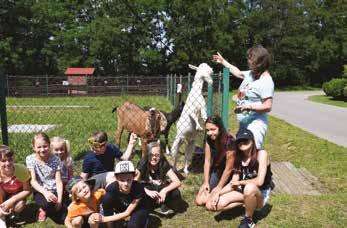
(161, 182)
(218, 165)
(252, 182)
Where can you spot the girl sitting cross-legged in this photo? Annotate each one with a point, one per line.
(252, 182)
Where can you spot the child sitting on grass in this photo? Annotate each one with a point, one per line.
(61, 148)
(14, 185)
(101, 157)
(125, 197)
(46, 180)
(85, 202)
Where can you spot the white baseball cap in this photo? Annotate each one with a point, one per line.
(124, 167)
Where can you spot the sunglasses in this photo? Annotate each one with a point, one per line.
(95, 143)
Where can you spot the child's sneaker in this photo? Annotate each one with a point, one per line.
(41, 215)
(164, 210)
(246, 223)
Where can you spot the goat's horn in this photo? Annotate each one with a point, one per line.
(192, 67)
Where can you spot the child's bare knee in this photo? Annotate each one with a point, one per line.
(77, 222)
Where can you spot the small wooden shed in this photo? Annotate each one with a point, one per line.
(77, 79)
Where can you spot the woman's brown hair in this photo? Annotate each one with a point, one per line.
(258, 59)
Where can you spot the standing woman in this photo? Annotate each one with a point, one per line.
(254, 97)
(218, 165)
(252, 182)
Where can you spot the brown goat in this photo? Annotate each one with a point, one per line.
(145, 124)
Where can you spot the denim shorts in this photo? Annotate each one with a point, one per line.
(266, 195)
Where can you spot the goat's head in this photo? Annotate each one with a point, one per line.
(154, 118)
(203, 71)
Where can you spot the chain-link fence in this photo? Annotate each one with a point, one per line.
(52, 104)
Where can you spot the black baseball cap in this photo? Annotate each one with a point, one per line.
(244, 133)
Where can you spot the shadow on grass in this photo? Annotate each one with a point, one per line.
(239, 211)
(263, 213)
(230, 214)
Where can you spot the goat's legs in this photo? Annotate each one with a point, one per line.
(167, 147)
(144, 147)
(195, 117)
(174, 149)
(118, 136)
(189, 153)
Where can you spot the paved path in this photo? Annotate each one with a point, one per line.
(325, 121)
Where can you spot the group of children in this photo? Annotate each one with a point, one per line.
(103, 193)
(235, 173)
(237, 170)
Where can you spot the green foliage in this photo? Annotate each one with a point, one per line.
(307, 38)
(345, 92)
(335, 88)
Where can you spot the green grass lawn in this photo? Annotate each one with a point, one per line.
(328, 100)
(284, 142)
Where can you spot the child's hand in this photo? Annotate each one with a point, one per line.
(133, 139)
(95, 218)
(153, 194)
(3, 211)
(5, 206)
(50, 197)
(58, 206)
(162, 195)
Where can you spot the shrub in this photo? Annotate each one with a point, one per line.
(335, 88)
(345, 92)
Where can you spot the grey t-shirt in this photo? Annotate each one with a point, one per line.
(253, 92)
(45, 172)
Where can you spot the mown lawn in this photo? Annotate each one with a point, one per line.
(284, 142)
(328, 100)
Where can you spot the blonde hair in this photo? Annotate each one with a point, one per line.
(74, 190)
(57, 141)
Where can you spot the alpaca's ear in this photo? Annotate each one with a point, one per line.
(193, 67)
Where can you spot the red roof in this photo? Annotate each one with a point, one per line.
(79, 71)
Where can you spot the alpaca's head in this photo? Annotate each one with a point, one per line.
(204, 72)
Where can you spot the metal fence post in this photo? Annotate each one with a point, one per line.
(210, 99)
(47, 85)
(189, 86)
(127, 84)
(225, 98)
(3, 114)
(174, 91)
(7, 86)
(167, 87)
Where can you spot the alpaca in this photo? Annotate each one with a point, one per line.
(188, 123)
